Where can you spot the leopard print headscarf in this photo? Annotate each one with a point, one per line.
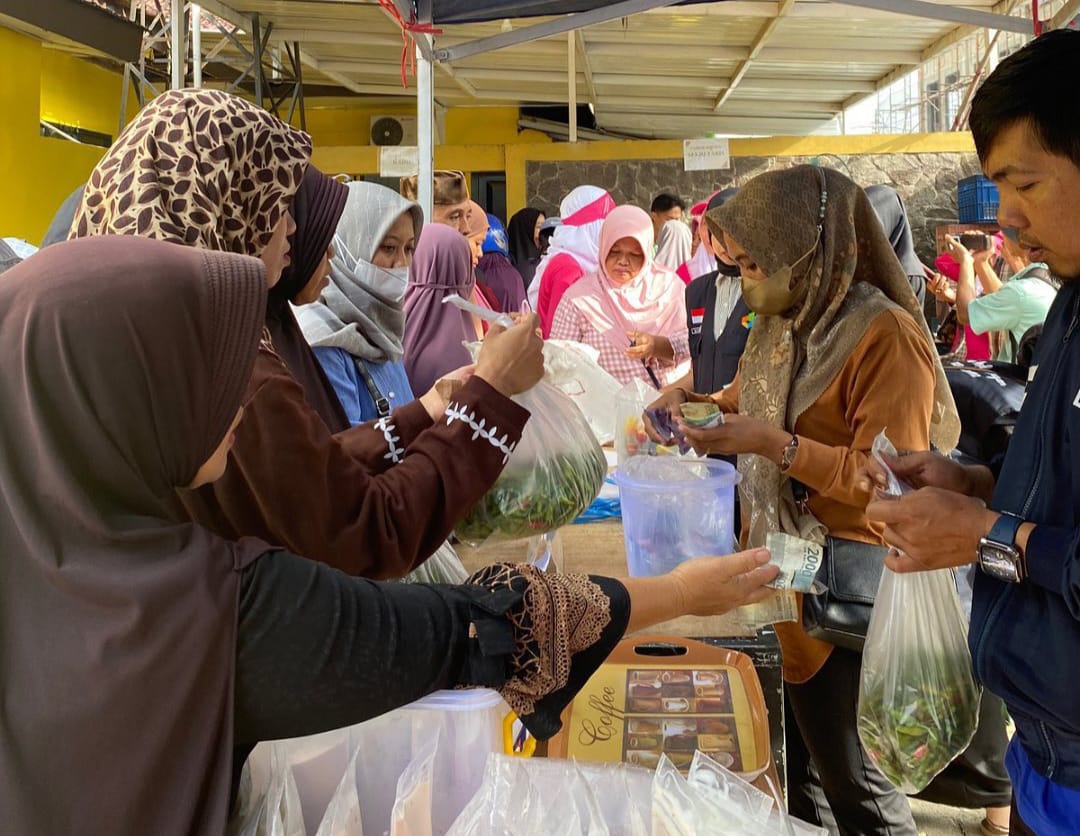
(197, 167)
(790, 362)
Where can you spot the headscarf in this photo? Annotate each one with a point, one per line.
(496, 271)
(578, 235)
(524, 253)
(434, 332)
(853, 277)
(60, 227)
(715, 202)
(889, 208)
(361, 309)
(316, 209)
(653, 302)
(703, 261)
(197, 167)
(118, 625)
(674, 245)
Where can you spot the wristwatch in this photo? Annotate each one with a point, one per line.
(787, 457)
(998, 555)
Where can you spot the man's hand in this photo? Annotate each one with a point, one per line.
(942, 288)
(929, 470)
(739, 434)
(932, 528)
(958, 251)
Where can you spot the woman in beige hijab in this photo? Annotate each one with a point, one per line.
(837, 353)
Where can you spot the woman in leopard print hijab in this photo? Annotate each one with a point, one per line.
(197, 167)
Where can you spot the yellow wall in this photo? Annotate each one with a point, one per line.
(37, 172)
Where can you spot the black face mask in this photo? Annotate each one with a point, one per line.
(725, 269)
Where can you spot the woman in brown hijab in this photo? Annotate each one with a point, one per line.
(838, 353)
(141, 657)
(211, 170)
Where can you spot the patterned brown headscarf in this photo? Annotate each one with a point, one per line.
(197, 167)
(788, 364)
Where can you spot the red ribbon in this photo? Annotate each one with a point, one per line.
(595, 211)
(409, 28)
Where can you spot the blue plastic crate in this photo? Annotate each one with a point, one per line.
(977, 200)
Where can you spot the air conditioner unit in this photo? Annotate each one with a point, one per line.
(393, 130)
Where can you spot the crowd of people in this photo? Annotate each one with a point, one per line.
(236, 406)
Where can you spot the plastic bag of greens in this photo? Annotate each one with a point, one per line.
(551, 476)
(918, 701)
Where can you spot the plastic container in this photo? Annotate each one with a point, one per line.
(467, 724)
(977, 200)
(674, 510)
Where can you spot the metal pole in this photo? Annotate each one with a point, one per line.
(571, 71)
(176, 48)
(196, 45)
(257, 65)
(425, 128)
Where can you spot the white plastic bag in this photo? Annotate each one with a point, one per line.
(551, 476)
(918, 700)
(574, 369)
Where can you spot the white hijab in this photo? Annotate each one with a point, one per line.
(361, 309)
(674, 245)
(580, 242)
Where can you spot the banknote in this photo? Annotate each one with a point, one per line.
(782, 605)
(799, 561)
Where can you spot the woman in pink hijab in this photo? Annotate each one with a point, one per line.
(631, 309)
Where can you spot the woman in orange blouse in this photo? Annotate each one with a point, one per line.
(838, 353)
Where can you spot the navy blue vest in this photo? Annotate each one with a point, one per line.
(715, 357)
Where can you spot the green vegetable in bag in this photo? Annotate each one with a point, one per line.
(552, 476)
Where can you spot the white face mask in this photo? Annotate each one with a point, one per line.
(388, 283)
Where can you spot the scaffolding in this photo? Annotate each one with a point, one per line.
(170, 59)
(936, 95)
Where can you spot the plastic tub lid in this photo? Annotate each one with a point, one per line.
(666, 472)
(468, 699)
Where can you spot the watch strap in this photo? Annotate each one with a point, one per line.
(1004, 530)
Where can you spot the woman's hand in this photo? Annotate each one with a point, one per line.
(716, 585)
(943, 289)
(668, 400)
(647, 346)
(739, 434)
(439, 395)
(705, 586)
(511, 360)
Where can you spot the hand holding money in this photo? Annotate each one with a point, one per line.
(799, 561)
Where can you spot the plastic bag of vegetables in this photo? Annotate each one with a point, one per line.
(554, 473)
(918, 700)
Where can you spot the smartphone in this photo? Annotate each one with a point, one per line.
(975, 241)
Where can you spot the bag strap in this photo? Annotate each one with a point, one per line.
(382, 405)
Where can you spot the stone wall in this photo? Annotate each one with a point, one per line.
(927, 182)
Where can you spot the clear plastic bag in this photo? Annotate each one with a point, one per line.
(442, 567)
(554, 473)
(918, 700)
(630, 437)
(412, 808)
(275, 812)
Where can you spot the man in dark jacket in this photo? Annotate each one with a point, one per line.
(1025, 624)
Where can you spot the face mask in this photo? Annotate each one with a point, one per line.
(389, 282)
(775, 295)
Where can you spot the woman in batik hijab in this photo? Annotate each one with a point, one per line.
(211, 170)
(838, 353)
(142, 657)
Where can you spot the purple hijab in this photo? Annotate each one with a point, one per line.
(434, 332)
